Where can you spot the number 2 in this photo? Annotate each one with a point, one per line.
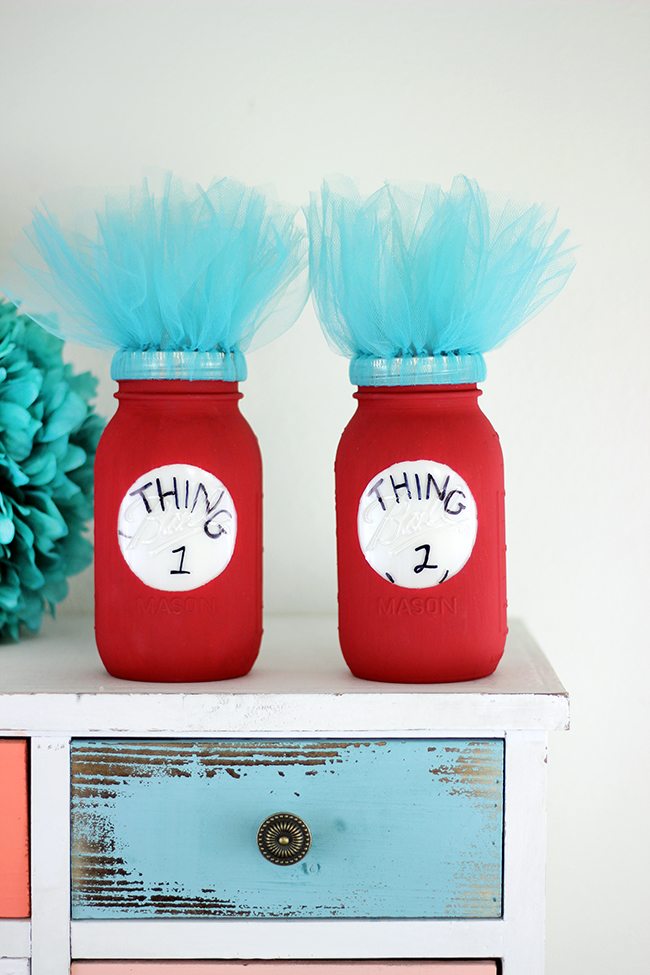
(425, 564)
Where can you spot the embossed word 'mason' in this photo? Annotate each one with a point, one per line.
(177, 605)
(418, 606)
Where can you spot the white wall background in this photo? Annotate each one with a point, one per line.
(545, 100)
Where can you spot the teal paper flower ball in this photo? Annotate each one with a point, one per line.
(48, 437)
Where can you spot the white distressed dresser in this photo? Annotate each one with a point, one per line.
(295, 821)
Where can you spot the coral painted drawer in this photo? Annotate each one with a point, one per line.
(14, 842)
(402, 828)
(285, 968)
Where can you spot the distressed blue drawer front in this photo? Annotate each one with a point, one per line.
(400, 828)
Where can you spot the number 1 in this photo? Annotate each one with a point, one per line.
(180, 571)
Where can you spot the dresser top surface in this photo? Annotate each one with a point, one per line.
(55, 682)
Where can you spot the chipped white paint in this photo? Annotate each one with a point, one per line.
(300, 686)
(50, 855)
(524, 865)
(14, 966)
(288, 939)
(15, 939)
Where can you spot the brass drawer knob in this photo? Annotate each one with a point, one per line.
(283, 839)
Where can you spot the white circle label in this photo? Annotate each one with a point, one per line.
(177, 527)
(417, 523)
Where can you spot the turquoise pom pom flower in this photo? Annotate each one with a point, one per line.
(414, 284)
(48, 437)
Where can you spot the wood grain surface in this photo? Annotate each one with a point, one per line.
(400, 828)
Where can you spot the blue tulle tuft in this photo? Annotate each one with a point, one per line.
(412, 283)
(174, 269)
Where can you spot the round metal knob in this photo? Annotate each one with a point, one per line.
(283, 839)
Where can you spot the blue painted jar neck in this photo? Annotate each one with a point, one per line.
(441, 369)
(179, 364)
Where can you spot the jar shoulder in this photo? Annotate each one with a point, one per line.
(133, 438)
(419, 431)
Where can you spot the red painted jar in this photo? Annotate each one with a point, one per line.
(178, 533)
(421, 538)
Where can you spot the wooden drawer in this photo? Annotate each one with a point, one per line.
(14, 830)
(285, 968)
(402, 828)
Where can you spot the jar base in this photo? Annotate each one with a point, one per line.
(457, 676)
(169, 666)
(180, 677)
(398, 662)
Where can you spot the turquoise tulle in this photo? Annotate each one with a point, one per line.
(413, 285)
(173, 270)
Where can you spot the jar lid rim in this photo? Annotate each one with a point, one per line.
(444, 368)
(178, 364)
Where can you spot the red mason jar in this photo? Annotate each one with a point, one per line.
(178, 533)
(420, 534)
